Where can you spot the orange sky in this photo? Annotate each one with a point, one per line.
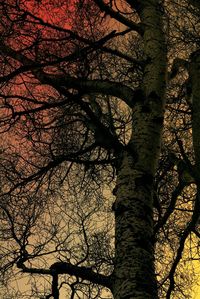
(58, 12)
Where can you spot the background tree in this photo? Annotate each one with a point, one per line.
(99, 107)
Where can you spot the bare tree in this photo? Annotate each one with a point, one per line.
(100, 148)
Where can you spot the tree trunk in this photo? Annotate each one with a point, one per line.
(134, 274)
(194, 72)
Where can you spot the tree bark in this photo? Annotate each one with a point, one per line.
(134, 273)
(194, 73)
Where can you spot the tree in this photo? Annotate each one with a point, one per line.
(98, 96)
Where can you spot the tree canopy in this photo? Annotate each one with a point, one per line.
(100, 149)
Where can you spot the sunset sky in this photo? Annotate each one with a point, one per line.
(35, 139)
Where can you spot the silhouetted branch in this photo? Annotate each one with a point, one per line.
(170, 208)
(189, 228)
(67, 268)
(88, 86)
(82, 272)
(119, 17)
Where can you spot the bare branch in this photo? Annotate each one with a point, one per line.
(119, 17)
(195, 3)
(177, 64)
(67, 268)
(93, 86)
(82, 272)
(87, 86)
(189, 228)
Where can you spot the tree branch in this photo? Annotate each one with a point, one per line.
(177, 64)
(136, 5)
(119, 17)
(195, 3)
(73, 56)
(82, 272)
(55, 290)
(74, 35)
(67, 268)
(138, 63)
(189, 228)
(170, 208)
(87, 86)
(93, 44)
(50, 165)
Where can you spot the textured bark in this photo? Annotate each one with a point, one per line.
(194, 72)
(195, 79)
(134, 274)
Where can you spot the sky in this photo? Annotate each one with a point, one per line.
(55, 11)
